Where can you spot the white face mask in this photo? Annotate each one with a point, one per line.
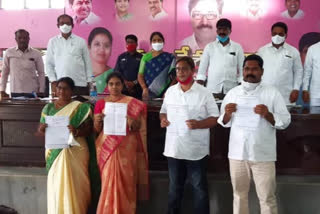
(248, 86)
(277, 40)
(157, 46)
(65, 28)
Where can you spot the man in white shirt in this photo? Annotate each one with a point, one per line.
(307, 40)
(311, 76)
(68, 56)
(188, 111)
(83, 12)
(282, 64)
(222, 59)
(25, 67)
(204, 15)
(293, 10)
(156, 10)
(253, 111)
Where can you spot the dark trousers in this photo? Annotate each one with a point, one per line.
(219, 96)
(196, 172)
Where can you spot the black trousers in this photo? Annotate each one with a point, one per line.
(219, 96)
(196, 172)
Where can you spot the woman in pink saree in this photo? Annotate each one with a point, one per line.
(123, 160)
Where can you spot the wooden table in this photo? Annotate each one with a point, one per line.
(298, 146)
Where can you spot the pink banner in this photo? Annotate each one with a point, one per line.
(182, 22)
(188, 23)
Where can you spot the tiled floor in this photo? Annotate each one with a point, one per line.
(25, 190)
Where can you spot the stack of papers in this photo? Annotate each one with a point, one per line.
(177, 115)
(57, 132)
(245, 117)
(115, 120)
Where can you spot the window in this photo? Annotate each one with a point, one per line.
(34, 4)
(31, 4)
(57, 4)
(12, 5)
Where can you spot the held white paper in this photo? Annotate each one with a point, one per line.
(177, 116)
(57, 132)
(245, 116)
(115, 120)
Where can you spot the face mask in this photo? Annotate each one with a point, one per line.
(222, 39)
(277, 40)
(248, 86)
(157, 46)
(131, 47)
(187, 81)
(65, 28)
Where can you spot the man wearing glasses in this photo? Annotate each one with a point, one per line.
(222, 59)
(204, 15)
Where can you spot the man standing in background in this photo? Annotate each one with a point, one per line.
(68, 56)
(25, 67)
(128, 65)
(223, 60)
(282, 64)
(311, 76)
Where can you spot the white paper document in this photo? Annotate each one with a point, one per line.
(57, 133)
(177, 116)
(115, 120)
(245, 117)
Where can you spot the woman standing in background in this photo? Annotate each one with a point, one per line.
(156, 71)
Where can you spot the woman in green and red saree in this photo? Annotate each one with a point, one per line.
(71, 171)
(100, 47)
(123, 160)
(156, 71)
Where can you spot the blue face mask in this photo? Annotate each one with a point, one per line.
(222, 39)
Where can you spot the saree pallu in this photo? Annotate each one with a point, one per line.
(123, 164)
(159, 72)
(68, 184)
